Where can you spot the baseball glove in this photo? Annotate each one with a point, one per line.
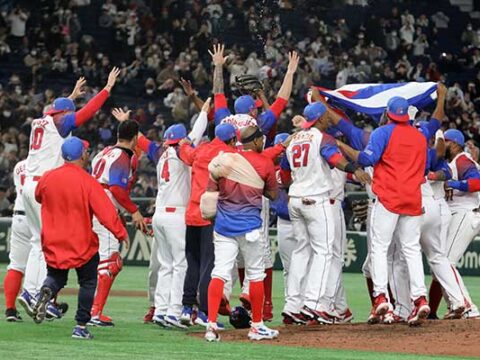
(248, 84)
(240, 318)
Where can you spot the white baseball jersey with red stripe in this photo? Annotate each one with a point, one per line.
(19, 180)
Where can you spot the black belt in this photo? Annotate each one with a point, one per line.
(16, 212)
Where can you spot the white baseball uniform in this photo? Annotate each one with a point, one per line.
(45, 154)
(311, 214)
(21, 236)
(168, 264)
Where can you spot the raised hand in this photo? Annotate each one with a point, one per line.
(112, 78)
(206, 105)
(217, 55)
(293, 60)
(121, 115)
(187, 87)
(78, 89)
(441, 89)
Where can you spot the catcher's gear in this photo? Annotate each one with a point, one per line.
(360, 209)
(248, 84)
(240, 318)
(111, 266)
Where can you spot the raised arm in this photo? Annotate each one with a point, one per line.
(190, 92)
(286, 88)
(218, 62)
(78, 89)
(201, 123)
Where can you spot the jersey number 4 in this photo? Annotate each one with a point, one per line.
(37, 138)
(300, 155)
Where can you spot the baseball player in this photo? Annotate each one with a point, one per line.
(240, 179)
(463, 203)
(114, 168)
(20, 244)
(398, 153)
(46, 137)
(309, 154)
(246, 114)
(68, 241)
(168, 248)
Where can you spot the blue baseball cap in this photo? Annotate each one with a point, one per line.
(61, 104)
(244, 104)
(280, 138)
(174, 134)
(225, 132)
(455, 135)
(397, 109)
(73, 148)
(312, 113)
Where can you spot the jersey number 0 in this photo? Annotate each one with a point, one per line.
(37, 138)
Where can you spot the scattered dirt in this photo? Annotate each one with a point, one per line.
(455, 337)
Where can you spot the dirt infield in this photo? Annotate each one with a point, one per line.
(460, 337)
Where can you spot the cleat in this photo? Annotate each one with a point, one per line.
(316, 317)
(245, 300)
(267, 311)
(261, 332)
(211, 334)
(201, 319)
(175, 322)
(62, 307)
(391, 318)
(101, 321)
(344, 317)
(420, 312)
(81, 333)
(12, 315)
(471, 312)
(53, 312)
(43, 301)
(160, 320)
(290, 318)
(225, 308)
(453, 314)
(432, 317)
(187, 316)
(27, 301)
(380, 308)
(148, 318)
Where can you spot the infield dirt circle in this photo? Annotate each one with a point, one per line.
(454, 337)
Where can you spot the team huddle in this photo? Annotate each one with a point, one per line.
(215, 192)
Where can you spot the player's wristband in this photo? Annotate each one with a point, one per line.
(351, 168)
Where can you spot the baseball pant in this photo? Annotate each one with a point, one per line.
(366, 267)
(226, 252)
(286, 244)
(169, 230)
(153, 268)
(385, 225)
(87, 279)
(334, 288)
(265, 238)
(20, 243)
(312, 226)
(36, 269)
(108, 243)
(464, 226)
(398, 280)
(200, 256)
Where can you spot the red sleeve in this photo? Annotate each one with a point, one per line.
(286, 177)
(278, 106)
(473, 185)
(211, 114)
(143, 143)
(273, 152)
(187, 154)
(38, 191)
(121, 195)
(105, 212)
(220, 101)
(89, 110)
(270, 178)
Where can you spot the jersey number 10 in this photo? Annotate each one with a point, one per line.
(300, 155)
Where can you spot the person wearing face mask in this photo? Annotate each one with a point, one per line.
(68, 241)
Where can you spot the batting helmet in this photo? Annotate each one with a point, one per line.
(240, 318)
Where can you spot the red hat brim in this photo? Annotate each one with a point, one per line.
(398, 118)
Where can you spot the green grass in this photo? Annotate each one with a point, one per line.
(131, 339)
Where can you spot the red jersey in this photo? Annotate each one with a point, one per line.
(70, 197)
(199, 158)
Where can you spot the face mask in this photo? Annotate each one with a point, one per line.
(149, 91)
(7, 113)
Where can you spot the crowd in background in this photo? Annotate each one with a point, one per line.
(44, 49)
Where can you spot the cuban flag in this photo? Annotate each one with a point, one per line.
(372, 99)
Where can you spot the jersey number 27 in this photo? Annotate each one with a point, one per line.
(300, 155)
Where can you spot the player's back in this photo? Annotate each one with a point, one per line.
(173, 178)
(45, 152)
(461, 165)
(19, 180)
(311, 174)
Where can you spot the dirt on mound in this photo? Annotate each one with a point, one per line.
(454, 337)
